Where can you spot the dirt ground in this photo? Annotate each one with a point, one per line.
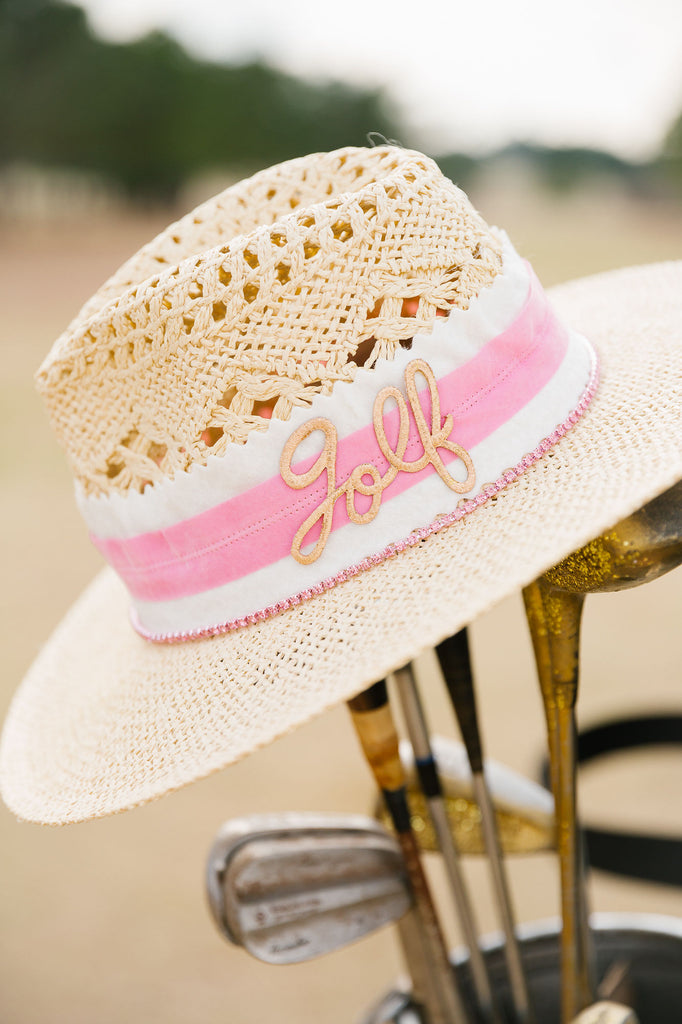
(106, 922)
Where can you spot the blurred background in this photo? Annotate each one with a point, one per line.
(564, 124)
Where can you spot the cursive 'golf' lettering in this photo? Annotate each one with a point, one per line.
(366, 479)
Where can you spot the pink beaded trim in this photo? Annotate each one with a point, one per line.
(447, 519)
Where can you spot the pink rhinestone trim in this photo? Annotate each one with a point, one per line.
(447, 519)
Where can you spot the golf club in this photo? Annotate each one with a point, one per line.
(291, 887)
(427, 771)
(376, 730)
(638, 549)
(554, 620)
(524, 809)
(455, 663)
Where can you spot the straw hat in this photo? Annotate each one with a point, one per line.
(316, 426)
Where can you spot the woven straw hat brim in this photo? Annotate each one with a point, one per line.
(105, 720)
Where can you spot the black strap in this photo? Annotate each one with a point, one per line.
(636, 855)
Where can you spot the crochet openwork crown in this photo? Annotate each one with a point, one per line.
(251, 305)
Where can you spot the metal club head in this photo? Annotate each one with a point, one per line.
(290, 887)
(524, 809)
(636, 550)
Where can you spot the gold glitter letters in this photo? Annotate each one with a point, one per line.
(431, 436)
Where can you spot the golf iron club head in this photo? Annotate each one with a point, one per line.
(524, 809)
(290, 887)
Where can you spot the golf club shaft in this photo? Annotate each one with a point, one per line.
(579, 992)
(415, 956)
(374, 724)
(554, 620)
(455, 661)
(431, 786)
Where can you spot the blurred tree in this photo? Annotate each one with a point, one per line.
(148, 115)
(460, 168)
(569, 167)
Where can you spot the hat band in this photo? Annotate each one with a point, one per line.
(404, 450)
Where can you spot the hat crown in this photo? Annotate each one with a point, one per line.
(270, 294)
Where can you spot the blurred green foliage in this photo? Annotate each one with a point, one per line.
(569, 167)
(147, 116)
